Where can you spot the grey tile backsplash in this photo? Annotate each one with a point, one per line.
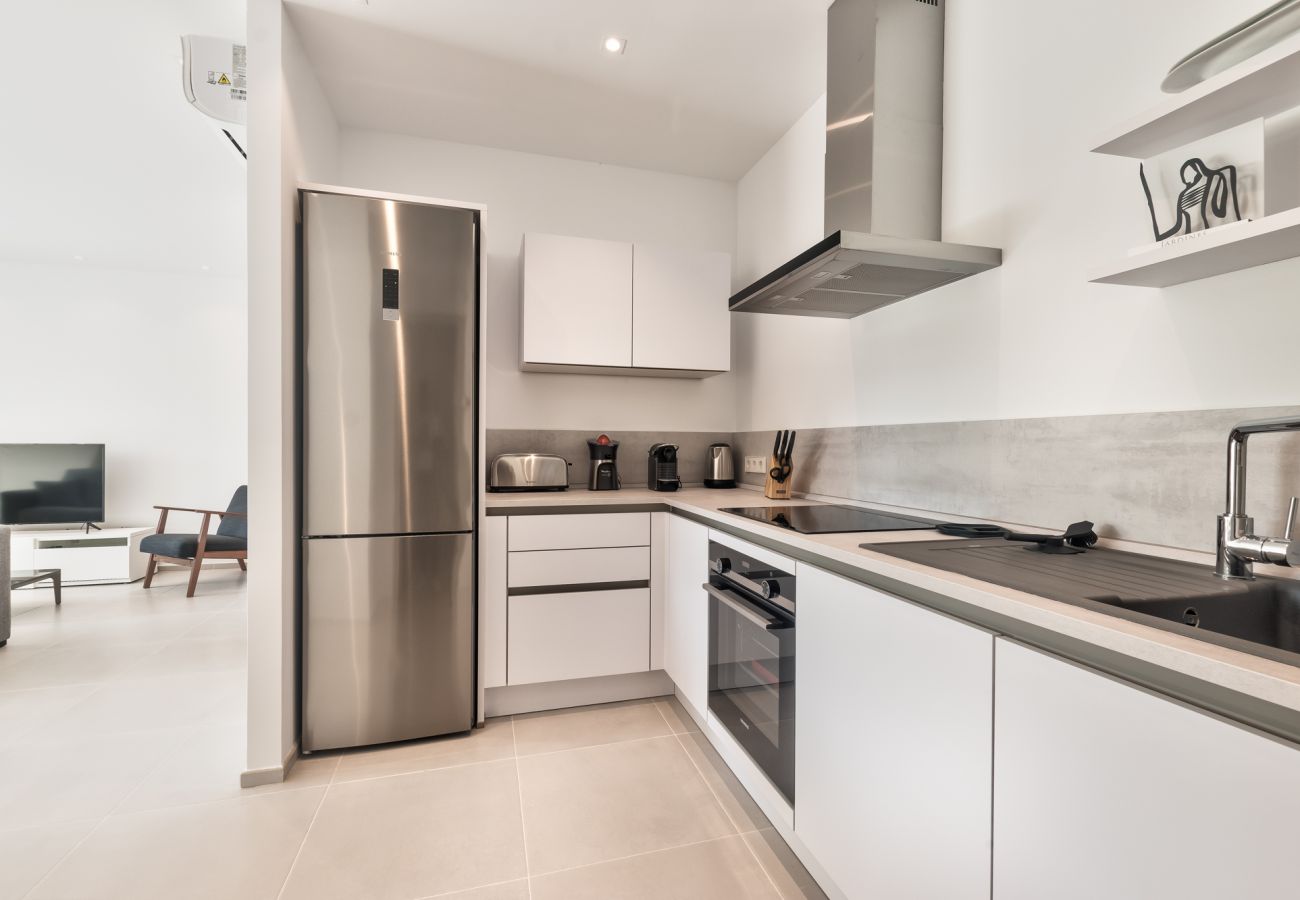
(1157, 478)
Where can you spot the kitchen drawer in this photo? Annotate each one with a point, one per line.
(579, 531)
(584, 634)
(537, 568)
(84, 562)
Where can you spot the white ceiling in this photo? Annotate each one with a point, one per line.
(102, 158)
(704, 88)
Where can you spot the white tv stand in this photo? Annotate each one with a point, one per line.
(109, 556)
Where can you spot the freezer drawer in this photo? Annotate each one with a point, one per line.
(387, 639)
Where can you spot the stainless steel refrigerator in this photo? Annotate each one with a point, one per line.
(389, 394)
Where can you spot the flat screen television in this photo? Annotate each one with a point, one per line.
(51, 484)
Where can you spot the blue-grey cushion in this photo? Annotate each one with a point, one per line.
(184, 546)
(236, 526)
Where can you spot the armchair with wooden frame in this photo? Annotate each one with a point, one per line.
(229, 542)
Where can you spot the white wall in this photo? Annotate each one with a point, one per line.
(1024, 99)
(527, 192)
(791, 371)
(151, 364)
(292, 138)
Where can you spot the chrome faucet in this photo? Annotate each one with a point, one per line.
(1238, 548)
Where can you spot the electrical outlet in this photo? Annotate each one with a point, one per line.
(756, 464)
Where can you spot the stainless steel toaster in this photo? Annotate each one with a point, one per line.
(528, 472)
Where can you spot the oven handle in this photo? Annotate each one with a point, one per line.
(746, 610)
(763, 589)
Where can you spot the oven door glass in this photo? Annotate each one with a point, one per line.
(751, 680)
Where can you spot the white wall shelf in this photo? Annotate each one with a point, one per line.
(1260, 87)
(1214, 252)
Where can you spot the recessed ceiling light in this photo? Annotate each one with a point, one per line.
(206, 268)
(614, 44)
(78, 258)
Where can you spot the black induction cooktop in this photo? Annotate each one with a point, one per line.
(830, 518)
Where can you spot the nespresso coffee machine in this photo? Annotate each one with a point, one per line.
(661, 473)
(604, 466)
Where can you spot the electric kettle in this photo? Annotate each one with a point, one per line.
(720, 469)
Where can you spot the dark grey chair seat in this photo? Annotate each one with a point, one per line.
(185, 546)
(230, 541)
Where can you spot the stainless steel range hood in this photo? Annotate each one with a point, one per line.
(884, 171)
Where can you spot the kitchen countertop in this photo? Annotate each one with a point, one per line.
(1254, 690)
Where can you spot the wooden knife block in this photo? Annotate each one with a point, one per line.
(777, 490)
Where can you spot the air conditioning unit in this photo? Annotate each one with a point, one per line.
(214, 74)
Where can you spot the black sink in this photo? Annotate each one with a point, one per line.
(1267, 612)
(1260, 616)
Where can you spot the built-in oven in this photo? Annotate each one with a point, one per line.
(751, 658)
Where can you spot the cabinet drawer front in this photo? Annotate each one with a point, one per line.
(554, 637)
(555, 567)
(578, 531)
(84, 563)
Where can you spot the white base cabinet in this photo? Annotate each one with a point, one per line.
(565, 597)
(107, 556)
(893, 744)
(686, 611)
(583, 634)
(1104, 790)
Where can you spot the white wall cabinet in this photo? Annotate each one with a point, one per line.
(686, 611)
(679, 308)
(577, 301)
(893, 746)
(600, 306)
(1106, 790)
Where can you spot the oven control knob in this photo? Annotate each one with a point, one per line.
(721, 565)
(771, 588)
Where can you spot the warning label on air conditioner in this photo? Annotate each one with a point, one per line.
(239, 66)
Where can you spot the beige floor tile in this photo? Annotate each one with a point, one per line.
(212, 851)
(75, 630)
(46, 782)
(23, 711)
(568, 729)
(679, 720)
(510, 890)
(784, 869)
(715, 869)
(491, 742)
(231, 623)
(140, 704)
(740, 807)
(27, 855)
(205, 766)
(599, 803)
(195, 654)
(68, 665)
(413, 836)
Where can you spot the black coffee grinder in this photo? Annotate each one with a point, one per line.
(604, 467)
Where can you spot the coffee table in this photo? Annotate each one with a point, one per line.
(23, 577)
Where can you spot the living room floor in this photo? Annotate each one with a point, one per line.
(122, 739)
